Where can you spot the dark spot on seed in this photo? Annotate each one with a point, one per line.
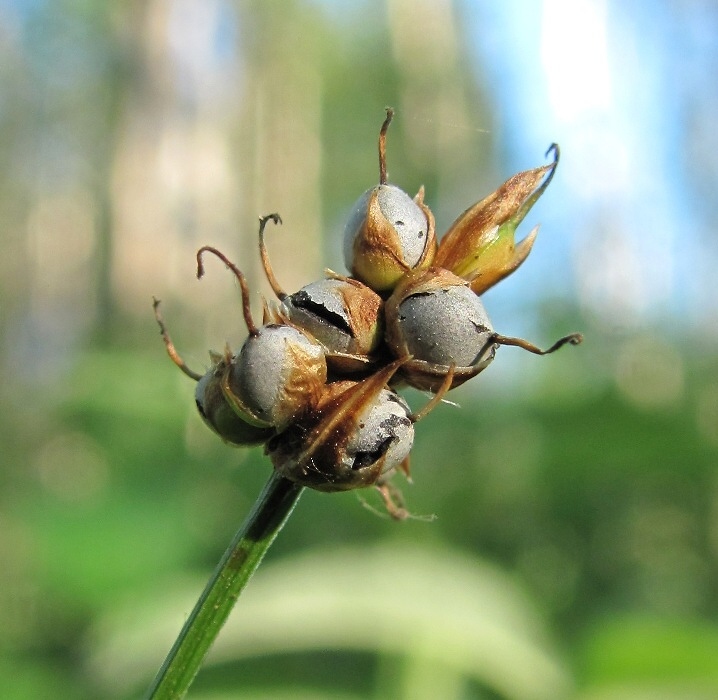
(392, 422)
(480, 328)
(366, 459)
(302, 300)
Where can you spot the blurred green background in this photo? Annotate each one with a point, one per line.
(575, 549)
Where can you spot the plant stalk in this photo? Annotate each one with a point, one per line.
(239, 562)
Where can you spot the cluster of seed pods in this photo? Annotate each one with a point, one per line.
(316, 382)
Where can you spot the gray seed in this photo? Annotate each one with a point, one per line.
(402, 212)
(319, 309)
(384, 429)
(445, 326)
(264, 366)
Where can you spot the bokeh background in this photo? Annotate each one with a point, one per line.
(575, 549)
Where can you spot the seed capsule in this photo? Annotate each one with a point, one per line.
(279, 372)
(211, 395)
(358, 432)
(434, 318)
(277, 375)
(341, 313)
(358, 435)
(479, 246)
(219, 414)
(388, 233)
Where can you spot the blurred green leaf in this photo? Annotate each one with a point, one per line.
(438, 608)
(644, 648)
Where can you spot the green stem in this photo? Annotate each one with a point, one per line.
(236, 567)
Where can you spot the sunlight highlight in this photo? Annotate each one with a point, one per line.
(574, 56)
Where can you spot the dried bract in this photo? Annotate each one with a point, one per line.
(479, 246)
